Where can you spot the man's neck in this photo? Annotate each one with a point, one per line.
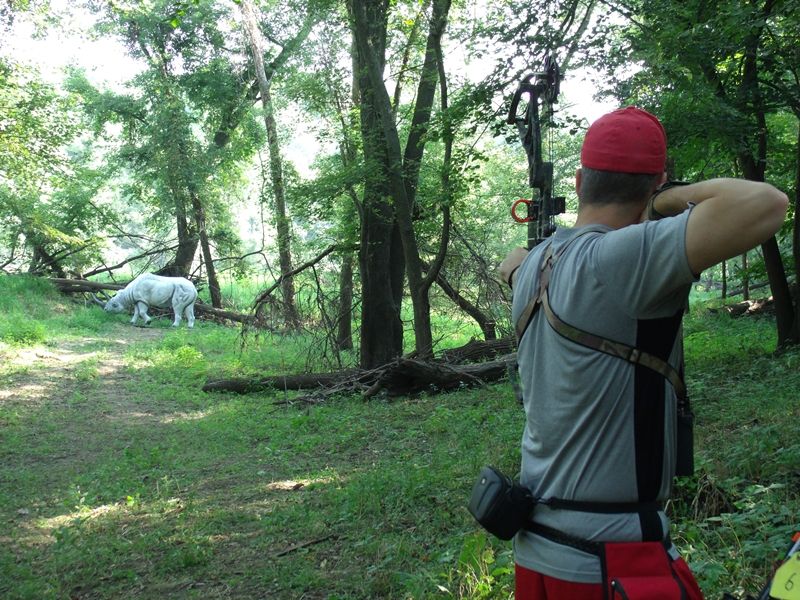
(615, 216)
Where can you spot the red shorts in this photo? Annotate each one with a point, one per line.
(531, 585)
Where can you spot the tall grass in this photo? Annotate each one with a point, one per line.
(25, 304)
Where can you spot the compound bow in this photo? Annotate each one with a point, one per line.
(541, 87)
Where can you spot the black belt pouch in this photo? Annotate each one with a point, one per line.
(501, 506)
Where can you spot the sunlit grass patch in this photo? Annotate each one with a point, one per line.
(115, 536)
(86, 370)
(88, 318)
(16, 329)
(32, 296)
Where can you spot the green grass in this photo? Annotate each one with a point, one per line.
(736, 516)
(120, 478)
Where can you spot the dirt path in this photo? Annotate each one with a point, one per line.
(62, 407)
(120, 478)
(48, 376)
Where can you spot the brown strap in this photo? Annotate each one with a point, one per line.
(544, 280)
(628, 353)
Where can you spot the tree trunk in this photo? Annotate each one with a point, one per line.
(281, 219)
(344, 322)
(380, 264)
(381, 327)
(724, 279)
(446, 198)
(181, 265)
(486, 324)
(748, 100)
(43, 262)
(403, 172)
(784, 305)
(205, 247)
(177, 173)
(349, 156)
(745, 278)
(708, 285)
(796, 210)
(275, 166)
(754, 167)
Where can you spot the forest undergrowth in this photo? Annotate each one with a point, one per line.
(120, 478)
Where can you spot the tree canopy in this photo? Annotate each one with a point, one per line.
(356, 154)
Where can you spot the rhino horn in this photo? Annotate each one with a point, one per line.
(98, 301)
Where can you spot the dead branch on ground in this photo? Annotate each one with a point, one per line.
(747, 308)
(479, 350)
(404, 376)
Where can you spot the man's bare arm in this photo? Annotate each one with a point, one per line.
(731, 217)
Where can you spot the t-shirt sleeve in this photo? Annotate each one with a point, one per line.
(646, 266)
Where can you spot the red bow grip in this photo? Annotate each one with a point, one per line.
(514, 214)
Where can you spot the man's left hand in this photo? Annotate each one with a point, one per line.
(510, 263)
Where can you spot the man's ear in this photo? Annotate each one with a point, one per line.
(658, 183)
(578, 180)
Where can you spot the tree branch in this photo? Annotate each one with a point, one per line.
(438, 260)
(97, 271)
(263, 295)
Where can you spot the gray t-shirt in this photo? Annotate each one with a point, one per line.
(599, 428)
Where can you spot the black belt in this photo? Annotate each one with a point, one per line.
(588, 546)
(652, 530)
(602, 507)
(565, 539)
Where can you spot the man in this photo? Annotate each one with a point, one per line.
(600, 429)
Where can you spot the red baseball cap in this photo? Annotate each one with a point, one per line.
(628, 140)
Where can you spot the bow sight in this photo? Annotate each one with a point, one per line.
(541, 87)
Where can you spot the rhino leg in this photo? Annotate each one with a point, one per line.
(189, 314)
(135, 313)
(140, 310)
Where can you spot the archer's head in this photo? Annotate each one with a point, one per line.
(623, 159)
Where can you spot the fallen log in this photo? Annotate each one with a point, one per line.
(477, 350)
(402, 377)
(747, 308)
(76, 286)
(303, 381)
(219, 313)
(406, 377)
(751, 307)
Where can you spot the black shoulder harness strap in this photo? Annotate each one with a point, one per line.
(621, 350)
